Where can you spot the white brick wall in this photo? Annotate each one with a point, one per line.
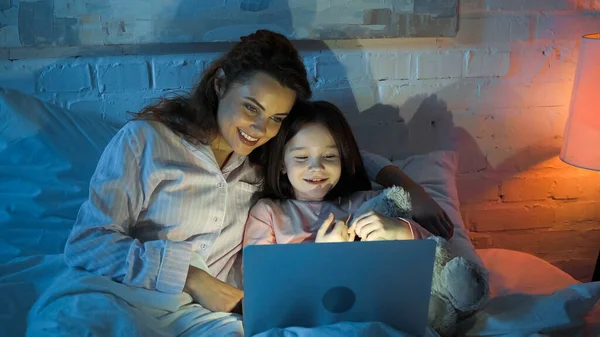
(50, 79)
(502, 89)
(123, 76)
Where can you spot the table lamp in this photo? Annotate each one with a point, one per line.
(582, 132)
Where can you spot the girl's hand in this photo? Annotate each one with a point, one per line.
(339, 233)
(373, 226)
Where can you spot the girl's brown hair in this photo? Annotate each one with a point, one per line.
(353, 177)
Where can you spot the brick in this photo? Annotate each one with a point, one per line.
(341, 66)
(448, 64)
(566, 26)
(526, 189)
(487, 63)
(123, 76)
(355, 64)
(544, 243)
(18, 76)
(589, 5)
(177, 74)
(580, 269)
(576, 250)
(526, 158)
(582, 188)
(543, 63)
(498, 139)
(117, 107)
(389, 66)
(572, 212)
(65, 78)
(531, 5)
(511, 218)
(456, 94)
(348, 100)
(498, 93)
(477, 187)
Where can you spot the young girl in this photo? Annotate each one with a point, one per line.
(314, 179)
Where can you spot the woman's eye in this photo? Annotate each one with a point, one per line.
(251, 108)
(300, 158)
(277, 119)
(330, 156)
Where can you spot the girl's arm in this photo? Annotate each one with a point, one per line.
(100, 240)
(259, 226)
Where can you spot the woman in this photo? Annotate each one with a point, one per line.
(152, 249)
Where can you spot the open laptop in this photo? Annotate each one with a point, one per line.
(309, 284)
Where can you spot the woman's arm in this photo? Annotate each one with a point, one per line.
(416, 231)
(100, 241)
(426, 211)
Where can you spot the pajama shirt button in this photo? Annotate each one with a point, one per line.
(221, 185)
(204, 246)
(215, 219)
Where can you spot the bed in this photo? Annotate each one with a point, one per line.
(48, 154)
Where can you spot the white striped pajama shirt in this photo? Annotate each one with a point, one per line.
(158, 204)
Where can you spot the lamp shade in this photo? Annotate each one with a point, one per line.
(581, 145)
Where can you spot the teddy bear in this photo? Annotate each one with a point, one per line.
(459, 286)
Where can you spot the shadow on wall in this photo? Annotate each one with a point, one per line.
(422, 124)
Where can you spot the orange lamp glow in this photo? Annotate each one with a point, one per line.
(582, 132)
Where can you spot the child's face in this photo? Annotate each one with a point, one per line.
(312, 162)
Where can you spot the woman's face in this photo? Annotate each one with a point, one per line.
(250, 114)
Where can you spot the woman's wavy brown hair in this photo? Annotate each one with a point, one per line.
(194, 115)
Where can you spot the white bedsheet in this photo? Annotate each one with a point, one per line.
(510, 313)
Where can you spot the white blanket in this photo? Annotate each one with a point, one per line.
(510, 314)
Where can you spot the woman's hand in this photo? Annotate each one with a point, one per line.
(210, 292)
(339, 233)
(426, 212)
(373, 226)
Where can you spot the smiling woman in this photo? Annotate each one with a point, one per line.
(168, 202)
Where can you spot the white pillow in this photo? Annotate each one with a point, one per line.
(436, 172)
(47, 156)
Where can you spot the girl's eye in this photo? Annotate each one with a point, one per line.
(300, 158)
(251, 108)
(330, 156)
